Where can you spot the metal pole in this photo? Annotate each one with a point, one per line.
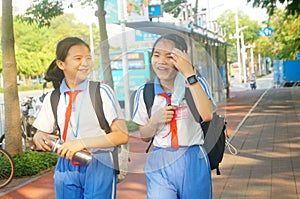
(244, 57)
(125, 64)
(91, 41)
(265, 64)
(259, 64)
(227, 75)
(251, 58)
(238, 44)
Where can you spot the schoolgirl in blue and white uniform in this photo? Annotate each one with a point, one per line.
(80, 130)
(178, 166)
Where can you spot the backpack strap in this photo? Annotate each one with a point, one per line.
(148, 95)
(94, 89)
(96, 99)
(193, 108)
(54, 98)
(98, 107)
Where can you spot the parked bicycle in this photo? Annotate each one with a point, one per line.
(30, 107)
(7, 168)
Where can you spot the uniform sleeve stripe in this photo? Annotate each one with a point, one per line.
(107, 88)
(136, 100)
(205, 86)
(110, 95)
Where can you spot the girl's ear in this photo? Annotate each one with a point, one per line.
(60, 64)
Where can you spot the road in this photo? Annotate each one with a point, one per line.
(264, 82)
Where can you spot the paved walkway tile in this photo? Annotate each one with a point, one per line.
(266, 135)
(268, 162)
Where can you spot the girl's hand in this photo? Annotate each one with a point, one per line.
(164, 115)
(69, 148)
(41, 140)
(182, 62)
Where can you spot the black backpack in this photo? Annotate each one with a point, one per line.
(214, 131)
(94, 88)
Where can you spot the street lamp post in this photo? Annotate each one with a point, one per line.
(125, 64)
(238, 44)
(244, 56)
(238, 47)
(251, 56)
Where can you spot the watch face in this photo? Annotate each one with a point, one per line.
(192, 79)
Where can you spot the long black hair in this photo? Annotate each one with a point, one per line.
(54, 74)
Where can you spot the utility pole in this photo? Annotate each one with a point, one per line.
(251, 57)
(238, 44)
(244, 56)
(259, 64)
(91, 41)
(125, 64)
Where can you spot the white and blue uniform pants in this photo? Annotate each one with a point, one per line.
(95, 180)
(178, 174)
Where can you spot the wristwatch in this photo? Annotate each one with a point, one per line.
(192, 79)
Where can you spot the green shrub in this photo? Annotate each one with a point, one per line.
(33, 162)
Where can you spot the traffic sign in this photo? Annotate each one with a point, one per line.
(268, 31)
(298, 55)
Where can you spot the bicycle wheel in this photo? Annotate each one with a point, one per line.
(2, 142)
(7, 168)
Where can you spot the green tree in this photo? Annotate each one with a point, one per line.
(29, 48)
(43, 11)
(35, 51)
(11, 99)
(282, 44)
(173, 7)
(285, 40)
(293, 6)
(227, 19)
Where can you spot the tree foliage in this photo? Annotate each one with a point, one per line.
(35, 51)
(282, 44)
(42, 11)
(227, 19)
(173, 7)
(292, 8)
(285, 39)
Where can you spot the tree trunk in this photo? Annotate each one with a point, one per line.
(13, 136)
(104, 45)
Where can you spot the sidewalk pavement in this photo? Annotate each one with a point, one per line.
(264, 125)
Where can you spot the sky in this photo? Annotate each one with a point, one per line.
(219, 6)
(216, 7)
